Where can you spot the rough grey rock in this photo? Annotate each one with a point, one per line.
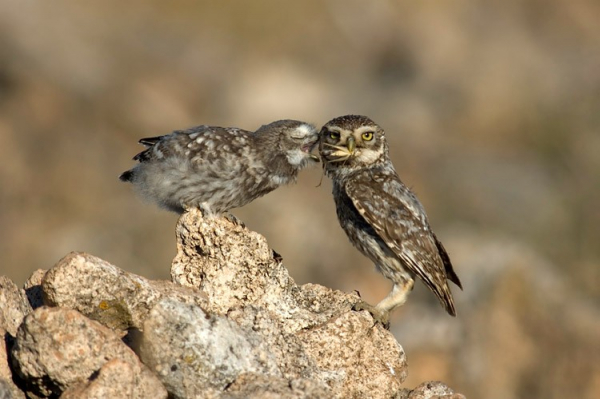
(355, 358)
(259, 386)
(58, 348)
(286, 348)
(235, 267)
(312, 330)
(14, 305)
(107, 294)
(232, 324)
(193, 352)
(431, 390)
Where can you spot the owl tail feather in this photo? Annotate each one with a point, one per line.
(448, 302)
(126, 176)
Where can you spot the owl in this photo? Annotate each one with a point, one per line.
(216, 169)
(382, 218)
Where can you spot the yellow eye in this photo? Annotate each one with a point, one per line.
(334, 135)
(367, 136)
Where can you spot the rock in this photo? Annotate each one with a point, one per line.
(14, 305)
(235, 267)
(269, 387)
(193, 352)
(107, 294)
(58, 348)
(33, 288)
(355, 358)
(348, 355)
(116, 379)
(8, 389)
(287, 348)
(432, 390)
(232, 265)
(311, 330)
(232, 324)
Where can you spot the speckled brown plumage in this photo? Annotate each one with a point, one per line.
(217, 169)
(380, 215)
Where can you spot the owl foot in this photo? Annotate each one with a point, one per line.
(234, 220)
(379, 315)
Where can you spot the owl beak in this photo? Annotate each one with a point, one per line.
(351, 144)
(309, 147)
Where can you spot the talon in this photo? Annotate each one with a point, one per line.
(234, 220)
(379, 316)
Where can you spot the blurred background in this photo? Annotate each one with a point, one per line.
(492, 111)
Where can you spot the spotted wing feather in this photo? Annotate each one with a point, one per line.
(398, 218)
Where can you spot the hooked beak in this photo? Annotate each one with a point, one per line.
(351, 144)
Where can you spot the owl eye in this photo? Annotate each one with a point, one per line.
(367, 136)
(334, 135)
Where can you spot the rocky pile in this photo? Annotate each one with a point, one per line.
(231, 324)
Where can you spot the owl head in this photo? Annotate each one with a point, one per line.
(289, 138)
(352, 141)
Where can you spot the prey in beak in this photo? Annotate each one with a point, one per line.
(341, 153)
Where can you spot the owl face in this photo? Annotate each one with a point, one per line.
(293, 138)
(351, 141)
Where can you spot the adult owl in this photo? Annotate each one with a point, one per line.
(380, 215)
(216, 169)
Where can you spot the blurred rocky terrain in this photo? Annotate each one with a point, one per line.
(491, 109)
(231, 324)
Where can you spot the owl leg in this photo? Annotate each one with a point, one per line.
(204, 209)
(397, 296)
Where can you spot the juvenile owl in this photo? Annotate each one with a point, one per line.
(380, 215)
(216, 169)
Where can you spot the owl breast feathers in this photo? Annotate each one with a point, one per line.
(380, 215)
(217, 169)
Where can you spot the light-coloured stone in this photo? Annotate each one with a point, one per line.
(312, 330)
(5, 372)
(233, 324)
(235, 267)
(287, 349)
(58, 348)
(231, 264)
(115, 380)
(257, 386)
(193, 352)
(8, 389)
(434, 390)
(107, 294)
(355, 357)
(14, 305)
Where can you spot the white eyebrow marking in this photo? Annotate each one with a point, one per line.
(303, 131)
(363, 129)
